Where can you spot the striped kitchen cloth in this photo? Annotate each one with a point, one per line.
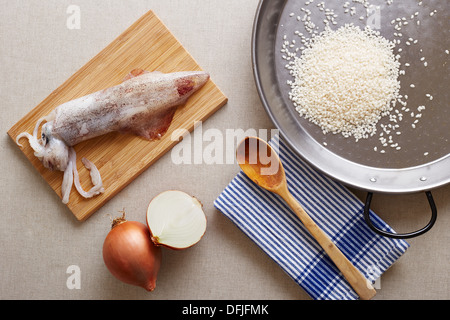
(267, 220)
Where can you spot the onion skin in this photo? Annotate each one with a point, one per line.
(130, 255)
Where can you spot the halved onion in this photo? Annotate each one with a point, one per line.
(176, 220)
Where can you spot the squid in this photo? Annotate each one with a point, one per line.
(143, 104)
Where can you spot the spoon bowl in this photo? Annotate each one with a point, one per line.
(263, 166)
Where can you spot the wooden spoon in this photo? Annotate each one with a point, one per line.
(262, 165)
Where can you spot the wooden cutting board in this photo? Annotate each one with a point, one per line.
(120, 158)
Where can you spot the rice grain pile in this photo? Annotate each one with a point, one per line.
(345, 80)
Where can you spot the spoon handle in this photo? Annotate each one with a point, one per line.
(355, 278)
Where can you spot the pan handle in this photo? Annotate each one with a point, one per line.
(404, 235)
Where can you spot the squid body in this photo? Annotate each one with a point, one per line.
(143, 104)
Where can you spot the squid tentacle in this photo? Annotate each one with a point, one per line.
(51, 116)
(33, 139)
(67, 183)
(34, 143)
(95, 177)
(71, 176)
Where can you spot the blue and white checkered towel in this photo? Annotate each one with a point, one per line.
(270, 223)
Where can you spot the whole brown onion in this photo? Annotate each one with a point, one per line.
(130, 255)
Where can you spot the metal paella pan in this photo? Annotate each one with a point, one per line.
(423, 162)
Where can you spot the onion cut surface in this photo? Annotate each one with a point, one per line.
(176, 220)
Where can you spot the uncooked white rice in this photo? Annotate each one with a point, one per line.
(345, 80)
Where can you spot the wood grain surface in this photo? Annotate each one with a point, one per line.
(120, 158)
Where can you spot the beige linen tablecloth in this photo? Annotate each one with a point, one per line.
(42, 246)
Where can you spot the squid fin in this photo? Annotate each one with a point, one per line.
(154, 126)
(157, 126)
(138, 72)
